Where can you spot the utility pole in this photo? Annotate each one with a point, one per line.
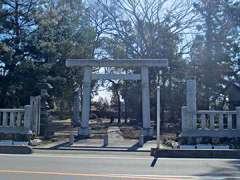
(158, 117)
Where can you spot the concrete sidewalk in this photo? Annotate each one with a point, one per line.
(116, 142)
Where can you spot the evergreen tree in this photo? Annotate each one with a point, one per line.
(17, 25)
(211, 59)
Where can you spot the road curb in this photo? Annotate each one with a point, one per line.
(92, 149)
(224, 154)
(15, 149)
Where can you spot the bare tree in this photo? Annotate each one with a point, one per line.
(148, 29)
(120, 18)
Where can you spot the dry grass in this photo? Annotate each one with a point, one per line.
(130, 132)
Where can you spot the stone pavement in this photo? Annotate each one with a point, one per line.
(116, 142)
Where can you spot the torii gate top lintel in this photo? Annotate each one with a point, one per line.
(117, 63)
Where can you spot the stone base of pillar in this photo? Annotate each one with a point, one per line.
(83, 132)
(147, 132)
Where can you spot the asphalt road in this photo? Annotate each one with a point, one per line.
(116, 166)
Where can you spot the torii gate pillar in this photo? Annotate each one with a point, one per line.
(145, 102)
(86, 103)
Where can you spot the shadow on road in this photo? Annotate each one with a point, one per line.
(231, 170)
(134, 147)
(154, 162)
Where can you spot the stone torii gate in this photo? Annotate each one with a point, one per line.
(144, 64)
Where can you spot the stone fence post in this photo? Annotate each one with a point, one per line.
(71, 139)
(192, 103)
(35, 103)
(105, 140)
(185, 119)
(141, 139)
(238, 117)
(27, 117)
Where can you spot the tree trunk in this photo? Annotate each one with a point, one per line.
(119, 107)
(125, 111)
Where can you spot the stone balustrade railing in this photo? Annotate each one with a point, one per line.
(217, 120)
(211, 123)
(15, 120)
